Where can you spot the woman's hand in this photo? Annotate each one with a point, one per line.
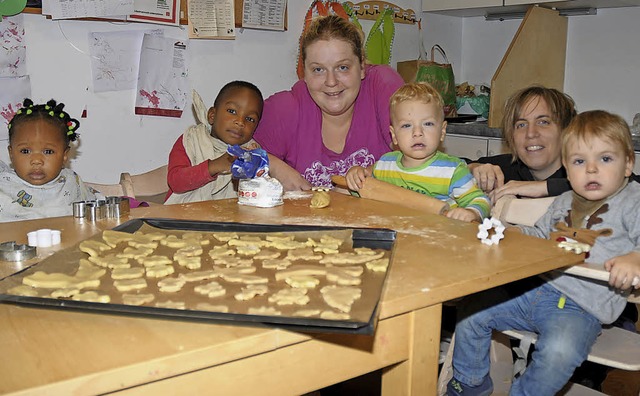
(623, 270)
(355, 177)
(528, 189)
(290, 178)
(489, 177)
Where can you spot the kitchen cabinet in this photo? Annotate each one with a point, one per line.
(444, 5)
(473, 147)
(467, 8)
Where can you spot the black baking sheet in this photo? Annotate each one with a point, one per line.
(363, 312)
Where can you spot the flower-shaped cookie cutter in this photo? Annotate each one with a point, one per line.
(43, 237)
(488, 238)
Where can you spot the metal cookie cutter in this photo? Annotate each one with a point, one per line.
(11, 251)
(111, 208)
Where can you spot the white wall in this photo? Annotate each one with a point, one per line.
(603, 54)
(112, 138)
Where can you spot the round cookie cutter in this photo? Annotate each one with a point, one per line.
(11, 251)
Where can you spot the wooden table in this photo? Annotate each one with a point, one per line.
(435, 260)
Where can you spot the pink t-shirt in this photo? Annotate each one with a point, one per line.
(291, 128)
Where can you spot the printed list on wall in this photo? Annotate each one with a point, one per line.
(211, 19)
(264, 14)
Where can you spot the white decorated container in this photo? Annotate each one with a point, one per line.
(264, 192)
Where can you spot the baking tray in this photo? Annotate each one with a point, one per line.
(363, 313)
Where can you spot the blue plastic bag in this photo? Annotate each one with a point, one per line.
(249, 163)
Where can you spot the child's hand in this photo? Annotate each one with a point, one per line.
(463, 214)
(221, 165)
(355, 177)
(623, 270)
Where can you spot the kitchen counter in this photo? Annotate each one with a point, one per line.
(481, 129)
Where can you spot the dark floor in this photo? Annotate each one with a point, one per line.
(617, 383)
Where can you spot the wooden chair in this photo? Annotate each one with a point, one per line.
(615, 347)
(108, 190)
(149, 186)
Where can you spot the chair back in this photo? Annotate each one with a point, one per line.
(108, 190)
(149, 186)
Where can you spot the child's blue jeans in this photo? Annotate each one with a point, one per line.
(565, 337)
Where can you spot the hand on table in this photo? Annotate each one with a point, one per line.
(355, 177)
(463, 214)
(528, 189)
(290, 178)
(624, 271)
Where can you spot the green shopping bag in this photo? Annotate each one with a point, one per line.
(440, 76)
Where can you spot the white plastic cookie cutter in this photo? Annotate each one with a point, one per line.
(487, 225)
(43, 238)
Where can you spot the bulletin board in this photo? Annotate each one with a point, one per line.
(238, 7)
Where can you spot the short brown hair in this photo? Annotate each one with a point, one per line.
(599, 124)
(419, 91)
(333, 27)
(561, 106)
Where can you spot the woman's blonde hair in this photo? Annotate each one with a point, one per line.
(599, 124)
(333, 27)
(419, 91)
(561, 106)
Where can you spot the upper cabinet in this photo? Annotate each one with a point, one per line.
(464, 8)
(448, 5)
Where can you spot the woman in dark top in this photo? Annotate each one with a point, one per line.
(533, 121)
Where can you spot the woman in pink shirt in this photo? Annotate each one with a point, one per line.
(336, 117)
